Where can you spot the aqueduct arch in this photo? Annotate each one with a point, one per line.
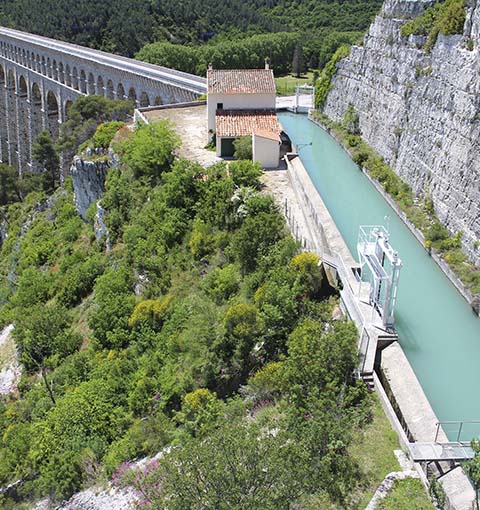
(41, 77)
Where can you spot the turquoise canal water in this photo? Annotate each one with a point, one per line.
(437, 330)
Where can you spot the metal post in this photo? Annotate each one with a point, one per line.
(459, 431)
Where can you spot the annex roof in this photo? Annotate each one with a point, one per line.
(241, 81)
(236, 123)
(269, 135)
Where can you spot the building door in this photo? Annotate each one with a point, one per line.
(227, 149)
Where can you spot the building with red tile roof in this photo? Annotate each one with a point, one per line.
(241, 102)
(241, 81)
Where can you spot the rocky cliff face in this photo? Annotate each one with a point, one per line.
(421, 111)
(88, 182)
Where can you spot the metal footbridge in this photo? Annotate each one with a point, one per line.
(443, 450)
(438, 452)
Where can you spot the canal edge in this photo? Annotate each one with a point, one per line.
(454, 280)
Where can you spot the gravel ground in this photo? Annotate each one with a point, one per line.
(191, 125)
(94, 499)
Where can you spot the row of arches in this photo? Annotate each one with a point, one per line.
(75, 77)
(35, 96)
(25, 110)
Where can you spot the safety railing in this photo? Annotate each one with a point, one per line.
(469, 428)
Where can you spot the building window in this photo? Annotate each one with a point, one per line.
(219, 106)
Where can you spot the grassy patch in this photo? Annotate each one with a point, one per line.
(373, 451)
(407, 495)
(286, 84)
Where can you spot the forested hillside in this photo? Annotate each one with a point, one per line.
(126, 26)
(202, 325)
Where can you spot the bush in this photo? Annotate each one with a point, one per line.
(308, 274)
(105, 133)
(149, 152)
(265, 384)
(243, 148)
(202, 241)
(447, 18)
(221, 284)
(114, 301)
(323, 84)
(437, 232)
(150, 312)
(245, 173)
(200, 411)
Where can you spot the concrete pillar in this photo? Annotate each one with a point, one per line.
(3, 125)
(22, 132)
(36, 119)
(30, 128)
(11, 117)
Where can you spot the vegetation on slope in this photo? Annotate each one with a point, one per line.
(447, 17)
(203, 323)
(244, 53)
(324, 84)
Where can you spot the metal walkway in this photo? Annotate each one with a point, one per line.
(429, 452)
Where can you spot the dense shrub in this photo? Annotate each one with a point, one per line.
(324, 83)
(243, 148)
(149, 151)
(105, 132)
(447, 17)
(223, 283)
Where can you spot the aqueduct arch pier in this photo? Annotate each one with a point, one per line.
(41, 77)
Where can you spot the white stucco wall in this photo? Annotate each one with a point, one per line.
(266, 151)
(237, 102)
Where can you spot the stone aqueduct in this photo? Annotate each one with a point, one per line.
(41, 77)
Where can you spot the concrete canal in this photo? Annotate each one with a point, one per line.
(437, 329)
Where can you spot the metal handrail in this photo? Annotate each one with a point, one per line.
(340, 266)
(460, 423)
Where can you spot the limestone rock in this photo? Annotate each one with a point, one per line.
(420, 111)
(88, 182)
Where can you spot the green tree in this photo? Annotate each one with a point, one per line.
(243, 148)
(105, 133)
(149, 151)
(243, 329)
(8, 184)
(297, 63)
(44, 152)
(200, 412)
(472, 468)
(326, 401)
(202, 241)
(80, 426)
(238, 466)
(245, 173)
(42, 332)
(215, 192)
(255, 236)
(114, 302)
(223, 283)
(308, 274)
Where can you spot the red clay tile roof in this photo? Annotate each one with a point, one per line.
(236, 123)
(241, 81)
(269, 135)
